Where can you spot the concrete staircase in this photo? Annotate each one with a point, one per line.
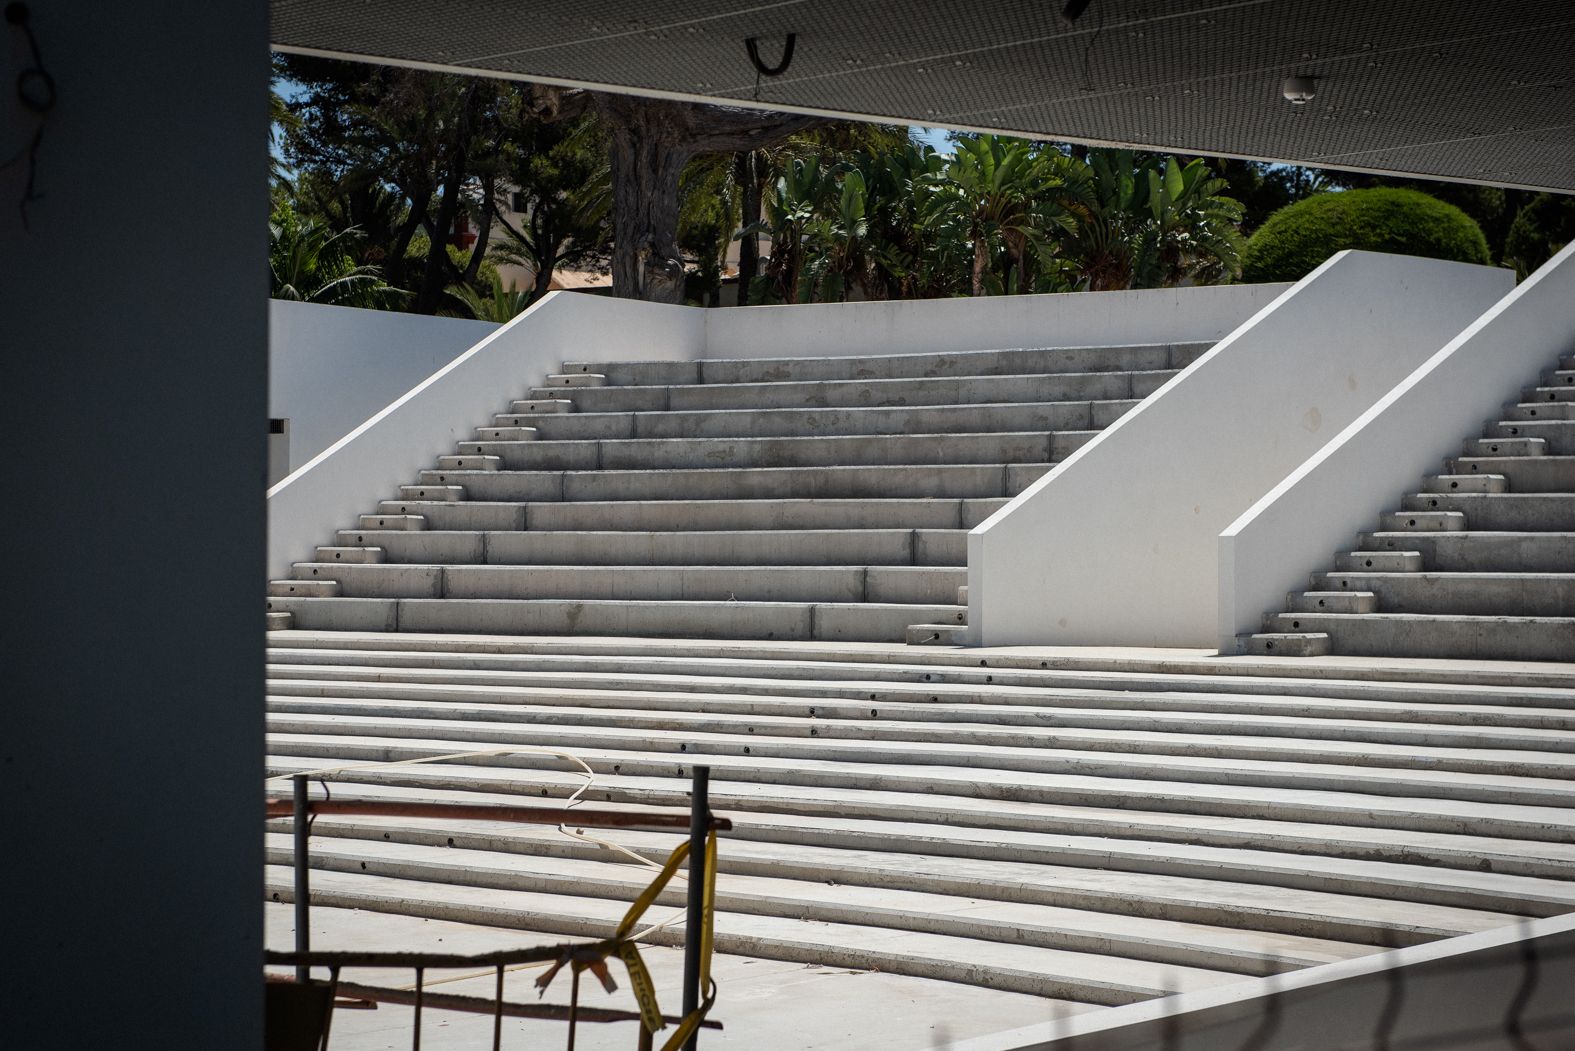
(1099, 831)
(795, 498)
(1480, 563)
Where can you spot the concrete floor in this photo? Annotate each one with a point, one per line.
(850, 1009)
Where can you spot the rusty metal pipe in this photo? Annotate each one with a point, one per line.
(485, 812)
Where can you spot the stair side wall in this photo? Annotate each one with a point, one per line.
(374, 460)
(1118, 545)
(1292, 531)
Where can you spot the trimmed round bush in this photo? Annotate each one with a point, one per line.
(1298, 238)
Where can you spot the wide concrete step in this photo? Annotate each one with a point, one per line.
(653, 453)
(1559, 377)
(1480, 552)
(1041, 768)
(1011, 833)
(1542, 754)
(1478, 594)
(851, 622)
(769, 423)
(1525, 474)
(878, 897)
(1502, 512)
(1540, 410)
(872, 393)
(1561, 392)
(1538, 694)
(1453, 636)
(959, 363)
(754, 547)
(1422, 521)
(1077, 977)
(779, 784)
(913, 584)
(908, 481)
(1375, 721)
(465, 515)
(1449, 897)
(1557, 436)
(1286, 644)
(324, 586)
(1504, 447)
(680, 515)
(1459, 484)
(1331, 600)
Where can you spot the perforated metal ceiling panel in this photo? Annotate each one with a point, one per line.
(1469, 91)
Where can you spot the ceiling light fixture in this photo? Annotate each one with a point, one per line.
(1299, 90)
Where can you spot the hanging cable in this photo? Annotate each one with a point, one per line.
(35, 89)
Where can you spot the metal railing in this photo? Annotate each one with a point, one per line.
(698, 989)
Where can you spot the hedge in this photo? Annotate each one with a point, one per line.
(1298, 238)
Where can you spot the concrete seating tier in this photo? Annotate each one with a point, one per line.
(1479, 563)
(1098, 832)
(784, 498)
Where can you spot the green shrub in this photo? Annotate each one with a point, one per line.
(1540, 229)
(1298, 238)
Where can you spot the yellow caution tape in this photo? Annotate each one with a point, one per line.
(644, 990)
(639, 976)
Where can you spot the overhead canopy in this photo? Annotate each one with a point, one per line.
(1480, 92)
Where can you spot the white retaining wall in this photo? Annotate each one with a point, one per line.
(1118, 545)
(388, 450)
(1497, 990)
(332, 368)
(1072, 319)
(1317, 510)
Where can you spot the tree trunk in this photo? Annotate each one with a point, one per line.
(746, 175)
(651, 141)
(483, 230)
(981, 264)
(434, 275)
(647, 160)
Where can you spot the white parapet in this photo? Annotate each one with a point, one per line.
(331, 368)
(371, 462)
(923, 326)
(1118, 545)
(1299, 523)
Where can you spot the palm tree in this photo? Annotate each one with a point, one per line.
(1006, 194)
(498, 304)
(310, 263)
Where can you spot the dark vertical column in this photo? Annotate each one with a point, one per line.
(133, 368)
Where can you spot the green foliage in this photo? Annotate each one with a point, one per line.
(1540, 229)
(310, 263)
(560, 175)
(497, 304)
(1299, 238)
(1000, 216)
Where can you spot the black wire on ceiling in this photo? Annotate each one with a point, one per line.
(35, 89)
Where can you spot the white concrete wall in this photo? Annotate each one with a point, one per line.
(331, 368)
(389, 449)
(1074, 319)
(1298, 525)
(1455, 994)
(1118, 545)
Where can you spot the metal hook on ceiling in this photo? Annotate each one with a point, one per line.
(752, 45)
